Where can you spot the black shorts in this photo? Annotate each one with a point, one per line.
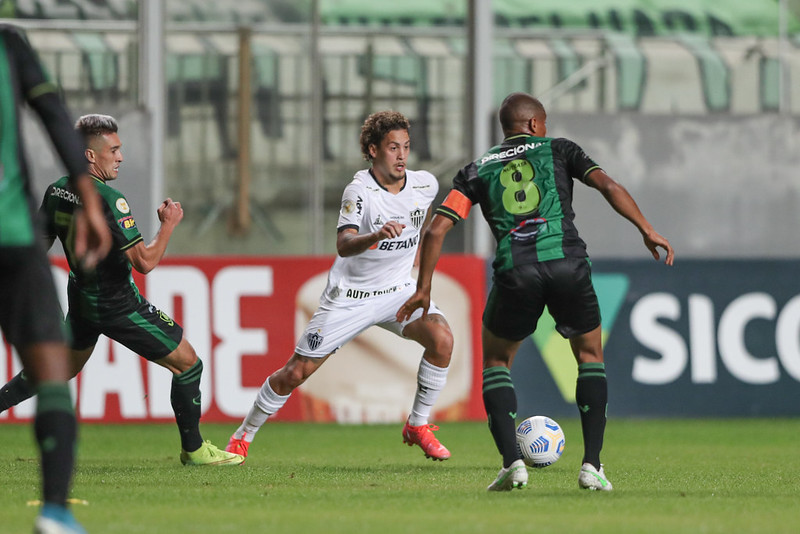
(143, 328)
(519, 295)
(29, 309)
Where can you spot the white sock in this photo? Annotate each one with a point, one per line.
(430, 381)
(267, 403)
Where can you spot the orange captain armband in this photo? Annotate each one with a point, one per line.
(457, 204)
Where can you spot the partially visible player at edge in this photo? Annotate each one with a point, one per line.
(106, 301)
(383, 211)
(524, 187)
(30, 314)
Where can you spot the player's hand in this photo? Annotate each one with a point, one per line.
(653, 240)
(420, 299)
(390, 230)
(170, 212)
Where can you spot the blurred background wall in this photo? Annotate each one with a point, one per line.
(692, 105)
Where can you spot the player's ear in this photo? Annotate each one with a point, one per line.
(89, 153)
(536, 125)
(373, 151)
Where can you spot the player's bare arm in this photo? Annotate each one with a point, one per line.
(624, 204)
(425, 226)
(145, 258)
(350, 243)
(430, 250)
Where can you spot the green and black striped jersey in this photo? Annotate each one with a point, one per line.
(110, 284)
(524, 187)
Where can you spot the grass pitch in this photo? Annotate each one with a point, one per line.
(669, 476)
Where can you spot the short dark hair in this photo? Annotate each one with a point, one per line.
(517, 109)
(95, 125)
(377, 125)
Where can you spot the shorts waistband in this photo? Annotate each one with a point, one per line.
(354, 293)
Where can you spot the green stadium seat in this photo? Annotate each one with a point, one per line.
(266, 89)
(631, 68)
(99, 61)
(410, 70)
(567, 59)
(511, 72)
(769, 83)
(714, 73)
(196, 74)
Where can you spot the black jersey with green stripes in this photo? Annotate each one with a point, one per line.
(110, 284)
(22, 80)
(524, 187)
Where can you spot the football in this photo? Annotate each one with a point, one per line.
(541, 441)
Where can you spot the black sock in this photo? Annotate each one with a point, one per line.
(500, 402)
(185, 398)
(56, 432)
(17, 390)
(591, 395)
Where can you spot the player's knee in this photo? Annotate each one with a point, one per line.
(444, 336)
(435, 336)
(444, 342)
(441, 347)
(181, 359)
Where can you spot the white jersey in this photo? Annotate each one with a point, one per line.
(367, 206)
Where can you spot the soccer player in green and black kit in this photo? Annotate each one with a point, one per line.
(107, 301)
(30, 315)
(524, 187)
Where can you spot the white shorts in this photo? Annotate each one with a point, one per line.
(339, 320)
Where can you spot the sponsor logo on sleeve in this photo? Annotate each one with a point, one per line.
(348, 206)
(126, 223)
(122, 205)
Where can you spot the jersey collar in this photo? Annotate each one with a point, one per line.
(405, 181)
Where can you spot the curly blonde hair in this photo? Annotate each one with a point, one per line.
(377, 125)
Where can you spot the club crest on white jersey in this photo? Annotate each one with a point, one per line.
(417, 217)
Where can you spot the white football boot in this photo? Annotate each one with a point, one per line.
(592, 479)
(513, 476)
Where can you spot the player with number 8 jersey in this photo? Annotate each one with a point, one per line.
(524, 187)
(529, 208)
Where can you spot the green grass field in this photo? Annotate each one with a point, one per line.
(669, 476)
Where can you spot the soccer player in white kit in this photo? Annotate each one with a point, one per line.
(383, 211)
